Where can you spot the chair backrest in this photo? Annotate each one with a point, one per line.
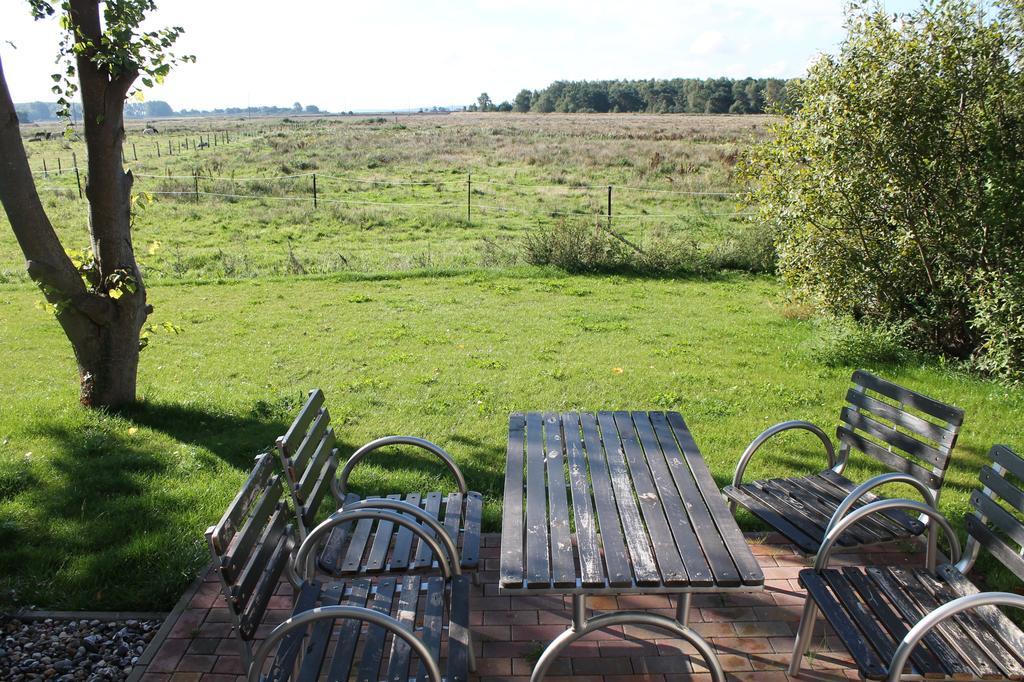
(309, 459)
(904, 430)
(993, 525)
(251, 545)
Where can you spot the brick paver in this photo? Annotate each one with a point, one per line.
(752, 632)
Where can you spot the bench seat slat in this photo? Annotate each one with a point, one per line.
(856, 643)
(377, 558)
(424, 558)
(911, 613)
(349, 634)
(401, 652)
(433, 621)
(320, 635)
(373, 649)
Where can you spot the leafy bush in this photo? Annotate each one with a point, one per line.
(574, 246)
(752, 250)
(894, 190)
(999, 318)
(842, 342)
(580, 247)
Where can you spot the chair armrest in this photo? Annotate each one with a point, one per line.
(927, 493)
(755, 445)
(821, 560)
(302, 620)
(339, 486)
(449, 542)
(448, 557)
(947, 610)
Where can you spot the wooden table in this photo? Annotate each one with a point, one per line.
(647, 515)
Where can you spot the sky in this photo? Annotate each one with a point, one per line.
(406, 54)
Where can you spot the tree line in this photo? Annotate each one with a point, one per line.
(676, 95)
(34, 112)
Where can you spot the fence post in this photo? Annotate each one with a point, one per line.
(46, 173)
(314, 190)
(157, 149)
(195, 179)
(135, 154)
(78, 178)
(609, 207)
(169, 152)
(469, 198)
(59, 169)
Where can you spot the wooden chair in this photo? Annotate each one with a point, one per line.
(933, 619)
(379, 628)
(910, 434)
(310, 463)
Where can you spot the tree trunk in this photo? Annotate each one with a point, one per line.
(103, 330)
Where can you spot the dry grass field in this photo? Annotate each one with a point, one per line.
(393, 192)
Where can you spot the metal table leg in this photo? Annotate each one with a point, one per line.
(583, 626)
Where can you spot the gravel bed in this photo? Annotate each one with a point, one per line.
(71, 650)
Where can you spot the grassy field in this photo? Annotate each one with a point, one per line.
(527, 171)
(107, 511)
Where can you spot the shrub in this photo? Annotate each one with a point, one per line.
(842, 342)
(574, 246)
(894, 190)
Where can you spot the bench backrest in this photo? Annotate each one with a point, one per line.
(904, 430)
(251, 545)
(992, 525)
(309, 459)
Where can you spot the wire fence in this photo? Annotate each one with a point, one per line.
(475, 197)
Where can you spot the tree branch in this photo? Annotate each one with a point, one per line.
(48, 264)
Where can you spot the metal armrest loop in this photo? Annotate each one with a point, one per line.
(948, 610)
(755, 445)
(304, 558)
(821, 560)
(339, 486)
(405, 507)
(361, 613)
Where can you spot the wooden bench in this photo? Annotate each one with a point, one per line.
(310, 462)
(936, 621)
(386, 627)
(910, 434)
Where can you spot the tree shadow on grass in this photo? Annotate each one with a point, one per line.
(74, 539)
(234, 438)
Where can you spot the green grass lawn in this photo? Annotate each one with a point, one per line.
(107, 512)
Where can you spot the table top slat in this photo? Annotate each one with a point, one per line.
(620, 573)
(511, 569)
(538, 572)
(670, 564)
(563, 567)
(744, 559)
(692, 553)
(645, 567)
(591, 573)
(718, 556)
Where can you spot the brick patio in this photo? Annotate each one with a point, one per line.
(753, 633)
